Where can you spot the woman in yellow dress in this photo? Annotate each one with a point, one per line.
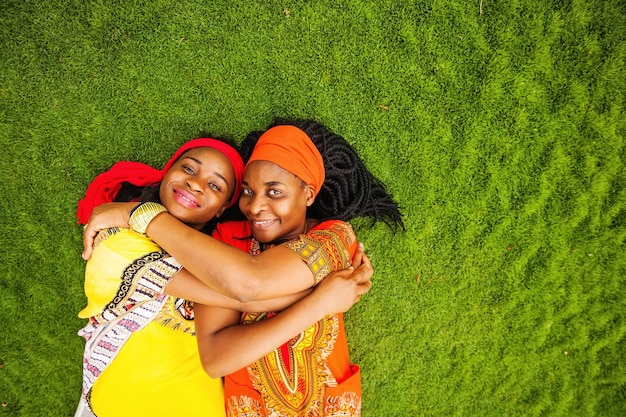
(141, 354)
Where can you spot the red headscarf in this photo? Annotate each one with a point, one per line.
(105, 186)
(291, 149)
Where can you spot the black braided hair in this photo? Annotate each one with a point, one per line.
(349, 190)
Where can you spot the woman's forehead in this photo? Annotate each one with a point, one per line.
(211, 159)
(268, 171)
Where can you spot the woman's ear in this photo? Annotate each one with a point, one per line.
(222, 209)
(309, 193)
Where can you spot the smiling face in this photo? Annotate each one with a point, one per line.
(198, 186)
(275, 202)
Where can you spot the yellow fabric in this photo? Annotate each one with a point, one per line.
(157, 373)
(104, 269)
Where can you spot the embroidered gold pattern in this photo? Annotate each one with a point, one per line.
(347, 404)
(293, 378)
(323, 250)
(177, 314)
(243, 406)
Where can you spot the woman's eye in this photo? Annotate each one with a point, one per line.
(188, 170)
(214, 187)
(273, 193)
(246, 192)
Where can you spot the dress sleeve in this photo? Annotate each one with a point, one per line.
(328, 247)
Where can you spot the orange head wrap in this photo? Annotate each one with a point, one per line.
(291, 149)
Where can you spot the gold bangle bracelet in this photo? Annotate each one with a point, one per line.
(143, 214)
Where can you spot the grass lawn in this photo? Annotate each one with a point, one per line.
(498, 126)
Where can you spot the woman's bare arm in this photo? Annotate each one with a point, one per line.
(226, 346)
(274, 273)
(185, 285)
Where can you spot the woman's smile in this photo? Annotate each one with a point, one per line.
(185, 198)
(263, 224)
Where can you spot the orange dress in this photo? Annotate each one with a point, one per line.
(311, 374)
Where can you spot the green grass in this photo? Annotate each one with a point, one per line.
(501, 134)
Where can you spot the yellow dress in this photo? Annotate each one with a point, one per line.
(134, 367)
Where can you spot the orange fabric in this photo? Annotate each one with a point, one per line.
(310, 374)
(291, 149)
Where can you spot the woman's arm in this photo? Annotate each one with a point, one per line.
(226, 346)
(274, 273)
(185, 285)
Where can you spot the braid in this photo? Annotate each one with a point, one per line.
(248, 144)
(349, 190)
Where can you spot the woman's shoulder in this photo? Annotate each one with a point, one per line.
(335, 233)
(328, 246)
(335, 226)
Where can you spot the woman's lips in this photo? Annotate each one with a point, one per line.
(185, 199)
(262, 224)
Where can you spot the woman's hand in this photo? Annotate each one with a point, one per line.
(226, 346)
(103, 217)
(360, 258)
(338, 292)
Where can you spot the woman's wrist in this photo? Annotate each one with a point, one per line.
(315, 305)
(143, 214)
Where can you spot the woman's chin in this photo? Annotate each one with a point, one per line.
(264, 236)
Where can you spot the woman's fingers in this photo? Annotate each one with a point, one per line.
(364, 288)
(89, 236)
(365, 271)
(103, 217)
(358, 255)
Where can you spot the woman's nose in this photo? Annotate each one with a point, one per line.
(256, 204)
(194, 185)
